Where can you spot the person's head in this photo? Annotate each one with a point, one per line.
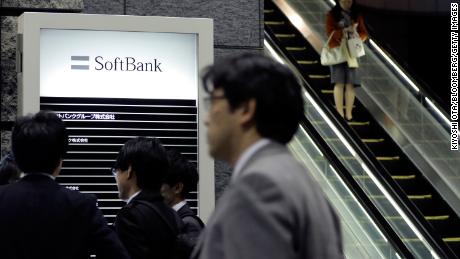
(251, 96)
(9, 171)
(346, 5)
(39, 142)
(141, 165)
(182, 177)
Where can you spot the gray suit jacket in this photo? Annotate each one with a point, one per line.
(273, 209)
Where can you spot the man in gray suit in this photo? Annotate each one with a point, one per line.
(272, 207)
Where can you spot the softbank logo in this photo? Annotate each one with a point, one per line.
(116, 64)
(83, 62)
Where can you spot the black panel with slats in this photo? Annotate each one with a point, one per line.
(98, 128)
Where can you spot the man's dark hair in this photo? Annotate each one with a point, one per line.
(39, 142)
(279, 103)
(181, 171)
(147, 158)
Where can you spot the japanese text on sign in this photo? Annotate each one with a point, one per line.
(85, 116)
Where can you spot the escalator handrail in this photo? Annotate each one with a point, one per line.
(424, 90)
(364, 153)
(359, 194)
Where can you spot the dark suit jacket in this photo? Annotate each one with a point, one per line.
(192, 227)
(41, 219)
(141, 229)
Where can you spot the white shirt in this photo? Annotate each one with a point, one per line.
(247, 154)
(49, 175)
(132, 197)
(179, 205)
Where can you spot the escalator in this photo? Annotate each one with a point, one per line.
(414, 189)
(365, 232)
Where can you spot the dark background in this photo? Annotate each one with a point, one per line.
(420, 42)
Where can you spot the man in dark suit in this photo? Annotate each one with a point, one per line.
(182, 177)
(146, 225)
(38, 217)
(272, 207)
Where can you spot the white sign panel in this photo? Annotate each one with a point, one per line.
(117, 64)
(112, 77)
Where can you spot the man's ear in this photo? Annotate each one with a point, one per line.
(178, 187)
(57, 170)
(248, 111)
(130, 172)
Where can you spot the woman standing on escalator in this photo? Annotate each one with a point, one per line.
(344, 18)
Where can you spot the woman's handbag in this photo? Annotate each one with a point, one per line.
(355, 45)
(333, 56)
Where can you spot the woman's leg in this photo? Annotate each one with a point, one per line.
(349, 100)
(338, 98)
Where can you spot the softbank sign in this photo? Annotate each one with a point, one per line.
(128, 64)
(118, 64)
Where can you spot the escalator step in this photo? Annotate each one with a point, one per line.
(374, 140)
(437, 218)
(368, 131)
(412, 197)
(274, 23)
(428, 218)
(416, 187)
(309, 65)
(285, 35)
(287, 38)
(321, 83)
(428, 205)
(307, 62)
(381, 148)
(319, 76)
(420, 197)
(395, 177)
(359, 123)
(277, 27)
(296, 48)
(447, 228)
(387, 158)
(363, 140)
(398, 167)
(404, 177)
